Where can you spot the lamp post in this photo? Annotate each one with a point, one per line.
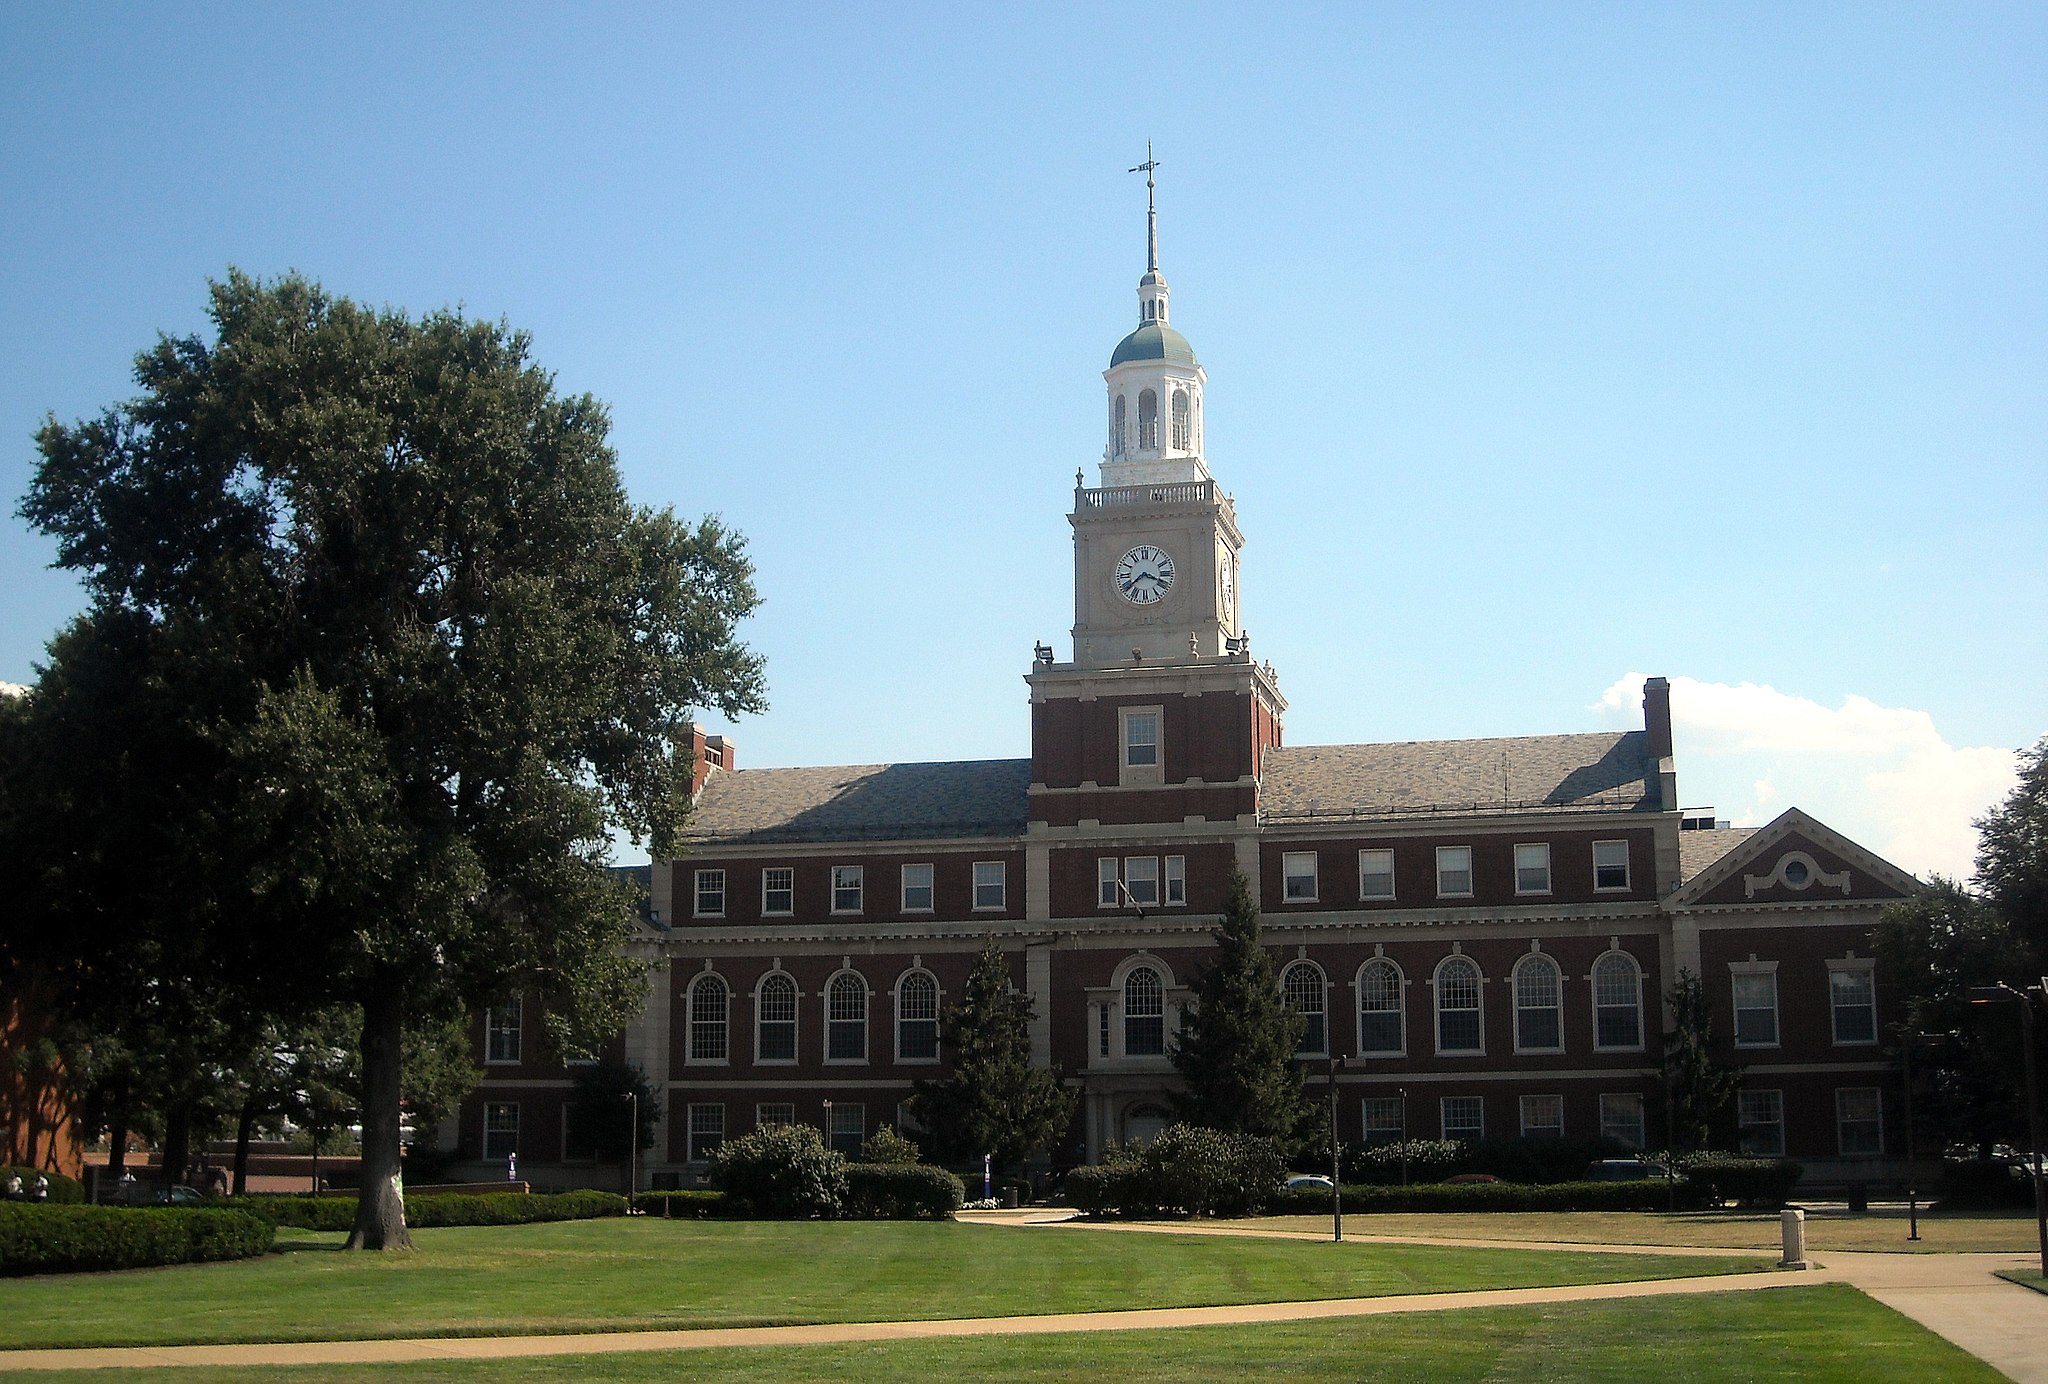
(632, 1147)
(1402, 1091)
(2002, 993)
(1907, 1038)
(1336, 1161)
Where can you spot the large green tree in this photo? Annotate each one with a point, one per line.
(434, 656)
(2012, 855)
(993, 1101)
(1698, 1089)
(1236, 1050)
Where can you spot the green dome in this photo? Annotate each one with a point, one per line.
(1154, 342)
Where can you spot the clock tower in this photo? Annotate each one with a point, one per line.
(1161, 716)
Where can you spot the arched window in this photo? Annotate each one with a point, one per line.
(1380, 1031)
(709, 1001)
(1148, 421)
(1617, 1002)
(1302, 986)
(1539, 1005)
(917, 1018)
(846, 1018)
(1118, 428)
(1458, 1027)
(775, 1020)
(1182, 429)
(1144, 1014)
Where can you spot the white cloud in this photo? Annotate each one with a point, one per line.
(12, 689)
(1883, 776)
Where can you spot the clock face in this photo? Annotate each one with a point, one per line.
(1145, 575)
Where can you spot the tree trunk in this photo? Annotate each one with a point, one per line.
(117, 1150)
(177, 1144)
(242, 1133)
(380, 1198)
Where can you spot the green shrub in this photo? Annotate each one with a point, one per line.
(780, 1173)
(1759, 1183)
(69, 1238)
(901, 1192)
(690, 1204)
(1428, 1160)
(1496, 1196)
(887, 1146)
(434, 1209)
(1091, 1190)
(64, 1191)
(1201, 1172)
(301, 1212)
(1983, 1183)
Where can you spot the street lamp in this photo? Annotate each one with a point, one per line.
(2002, 993)
(632, 1147)
(1907, 1038)
(1336, 1161)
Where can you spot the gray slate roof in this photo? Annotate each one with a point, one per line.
(1423, 777)
(863, 802)
(1699, 849)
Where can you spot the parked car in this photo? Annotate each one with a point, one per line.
(1624, 1170)
(1309, 1182)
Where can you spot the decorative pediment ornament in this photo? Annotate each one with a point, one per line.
(1798, 871)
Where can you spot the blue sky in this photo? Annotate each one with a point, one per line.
(1548, 345)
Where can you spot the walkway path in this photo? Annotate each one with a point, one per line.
(1955, 1295)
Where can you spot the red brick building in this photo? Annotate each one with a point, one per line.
(1484, 930)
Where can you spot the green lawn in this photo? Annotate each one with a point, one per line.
(1819, 1335)
(1882, 1229)
(620, 1275)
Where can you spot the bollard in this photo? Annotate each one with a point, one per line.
(1793, 1224)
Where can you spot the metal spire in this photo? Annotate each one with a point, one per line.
(1151, 211)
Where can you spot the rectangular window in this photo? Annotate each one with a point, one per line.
(501, 1033)
(1852, 995)
(710, 893)
(917, 888)
(1298, 874)
(774, 1115)
(1454, 872)
(847, 884)
(1756, 1007)
(1464, 1117)
(1376, 874)
(1532, 868)
(501, 1129)
(707, 1131)
(989, 889)
(1108, 884)
(1610, 865)
(1543, 1117)
(1621, 1119)
(1141, 878)
(1760, 1118)
(1384, 1123)
(778, 892)
(1859, 1121)
(1176, 880)
(1141, 740)
(849, 1128)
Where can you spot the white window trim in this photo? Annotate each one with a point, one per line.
(1437, 1009)
(1002, 870)
(1642, 1116)
(1522, 1112)
(1365, 1131)
(1777, 1124)
(867, 1015)
(1130, 895)
(690, 1130)
(1515, 1001)
(796, 1036)
(1323, 988)
(1549, 878)
(1400, 1009)
(1109, 871)
(1593, 991)
(1756, 968)
(860, 885)
(768, 912)
(1134, 775)
(1393, 880)
(1443, 1124)
(518, 1128)
(1471, 882)
(1174, 871)
(517, 1004)
(1113, 1004)
(690, 1058)
(1628, 867)
(1841, 1121)
(1868, 967)
(896, 1002)
(904, 887)
(761, 1120)
(698, 879)
(1315, 882)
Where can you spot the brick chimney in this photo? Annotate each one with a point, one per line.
(1657, 743)
(707, 752)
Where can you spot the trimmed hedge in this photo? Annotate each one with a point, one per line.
(64, 1191)
(435, 1209)
(1984, 1184)
(89, 1239)
(901, 1192)
(1496, 1196)
(1187, 1168)
(688, 1204)
(1754, 1183)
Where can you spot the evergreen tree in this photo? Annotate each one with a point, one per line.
(1236, 1050)
(994, 1101)
(1699, 1088)
(2012, 858)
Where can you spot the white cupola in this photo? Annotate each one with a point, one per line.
(1155, 382)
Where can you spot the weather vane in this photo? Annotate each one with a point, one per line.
(1151, 211)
